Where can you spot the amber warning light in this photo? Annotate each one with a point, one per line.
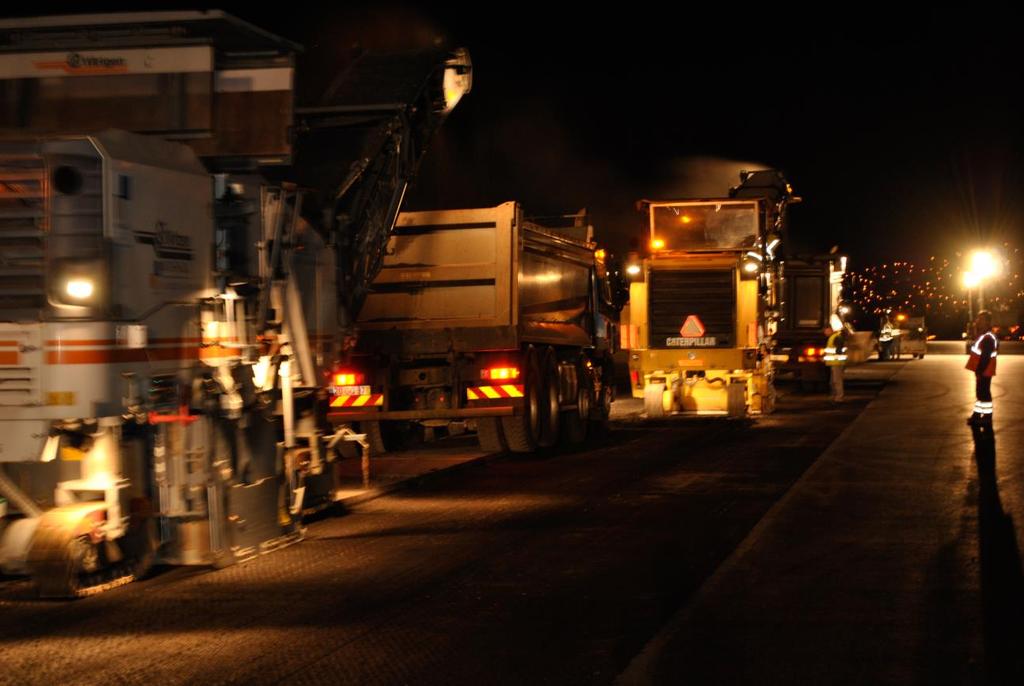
(499, 373)
(348, 379)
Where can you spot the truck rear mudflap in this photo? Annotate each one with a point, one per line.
(460, 413)
(499, 394)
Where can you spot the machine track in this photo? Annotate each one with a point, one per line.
(71, 558)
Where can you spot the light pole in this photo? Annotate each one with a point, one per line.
(971, 281)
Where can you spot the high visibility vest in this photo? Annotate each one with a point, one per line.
(975, 359)
(835, 353)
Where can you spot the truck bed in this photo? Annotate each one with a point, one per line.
(478, 279)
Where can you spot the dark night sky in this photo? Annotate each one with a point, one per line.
(901, 132)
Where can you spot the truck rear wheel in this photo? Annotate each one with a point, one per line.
(388, 436)
(375, 437)
(551, 407)
(522, 432)
(490, 435)
(578, 421)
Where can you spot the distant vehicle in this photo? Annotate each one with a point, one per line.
(811, 292)
(913, 338)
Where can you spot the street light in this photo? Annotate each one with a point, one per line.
(983, 265)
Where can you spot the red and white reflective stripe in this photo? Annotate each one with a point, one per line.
(494, 392)
(372, 400)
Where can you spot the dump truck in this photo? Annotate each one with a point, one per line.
(179, 276)
(704, 305)
(811, 297)
(484, 319)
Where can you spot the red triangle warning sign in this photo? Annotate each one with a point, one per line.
(693, 327)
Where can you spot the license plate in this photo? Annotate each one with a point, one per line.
(352, 390)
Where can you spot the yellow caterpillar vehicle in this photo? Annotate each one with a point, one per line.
(170, 309)
(704, 305)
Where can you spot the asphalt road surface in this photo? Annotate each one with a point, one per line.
(553, 569)
(894, 560)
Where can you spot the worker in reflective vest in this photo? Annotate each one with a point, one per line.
(886, 338)
(835, 360)
(983, 363)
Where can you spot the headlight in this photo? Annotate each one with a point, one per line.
(458, 78)
(78, 282)
(750, 267)
(79, 288)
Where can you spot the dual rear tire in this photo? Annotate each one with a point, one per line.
(491, 435)
(390, 436)
(542, 422)
(524, 432)
(577, 421)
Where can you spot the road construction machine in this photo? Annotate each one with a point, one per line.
(182, 255)
(482, 318)
(704, 303)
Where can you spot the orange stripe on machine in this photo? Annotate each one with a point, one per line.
(99, 342)
(126, 356)
(120, 355)
(494, 392)
(73, 352)
(372, 400)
